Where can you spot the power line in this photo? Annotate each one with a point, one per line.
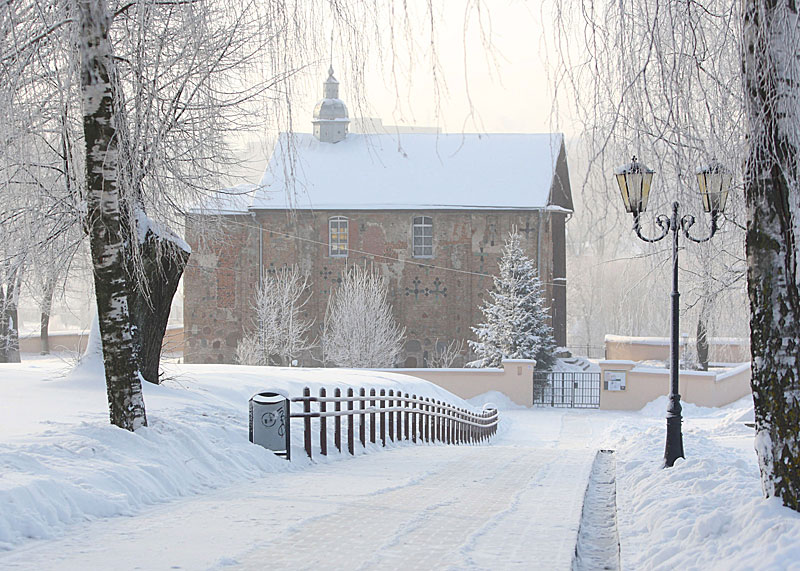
(364, 253)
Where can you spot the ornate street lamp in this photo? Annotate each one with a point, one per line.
(634, 181)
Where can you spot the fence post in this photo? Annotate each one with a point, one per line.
(337, 425)
(471, 430)
(456, 425)
(351, 433)
(450, 418)
(406, 406)
(421, 414)
(307, 420)
(401, 405)
(413, 418)
(390, 405)
(443, 425)
(362, 427)
(323, 423)
(372, 417)
(436, 419)
(572, 383)
(427, 419)
(383, 416)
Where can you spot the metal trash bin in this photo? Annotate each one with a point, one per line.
(269, 423)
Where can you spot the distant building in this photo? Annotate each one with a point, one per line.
(429, 211)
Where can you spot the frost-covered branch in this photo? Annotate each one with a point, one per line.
(360, 330)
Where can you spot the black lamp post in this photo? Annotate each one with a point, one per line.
(634, 181)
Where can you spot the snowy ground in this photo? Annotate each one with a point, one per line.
(196, 494)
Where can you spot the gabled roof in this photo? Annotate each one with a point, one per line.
(417, 171)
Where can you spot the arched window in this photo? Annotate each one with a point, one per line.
(337, 237)
(422, 237)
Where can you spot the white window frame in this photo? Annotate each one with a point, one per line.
(338, 246)
(421, 228)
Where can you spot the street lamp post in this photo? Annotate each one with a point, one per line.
(634, 182)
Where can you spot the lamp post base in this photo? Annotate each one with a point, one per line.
(674, 447)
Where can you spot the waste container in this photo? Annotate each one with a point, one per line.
(269, 422)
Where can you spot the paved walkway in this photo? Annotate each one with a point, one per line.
(425, 507)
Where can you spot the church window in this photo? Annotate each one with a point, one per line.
(422, 237)
(337, 237)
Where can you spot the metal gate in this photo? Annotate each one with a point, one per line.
(566, 390)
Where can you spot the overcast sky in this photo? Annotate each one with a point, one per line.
(509, 88)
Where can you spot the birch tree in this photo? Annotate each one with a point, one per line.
(771, 43)
(107, 239)
(281, 332)
(161, 85)
(360, 330)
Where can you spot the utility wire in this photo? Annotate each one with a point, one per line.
(384, 257)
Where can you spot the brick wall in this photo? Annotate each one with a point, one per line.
(436, 299)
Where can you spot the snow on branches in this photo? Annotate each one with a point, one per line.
(281, 332)
(515, 316)
(360, 330)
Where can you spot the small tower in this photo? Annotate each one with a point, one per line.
(330, 114)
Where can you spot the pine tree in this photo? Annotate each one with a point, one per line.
(515, 316)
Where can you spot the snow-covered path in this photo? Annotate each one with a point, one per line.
(190, 491)
(515, 504)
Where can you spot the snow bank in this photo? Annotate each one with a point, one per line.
(497, 399)
(657, 408)
(62, 463)
(76, 473)
(707, 512)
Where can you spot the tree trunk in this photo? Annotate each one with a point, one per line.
(702, 335)
(107, 240)
(44, 334)
(13, 335)
(46, 309)
(163, 262)
(4, 322)
(9, 320)
(773, 207)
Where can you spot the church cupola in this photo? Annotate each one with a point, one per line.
(330, 114)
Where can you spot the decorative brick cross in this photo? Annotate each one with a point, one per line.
(482, 255)
(438, 289)
(527, 229)
(417, 289)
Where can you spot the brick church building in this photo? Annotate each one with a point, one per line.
(428, 211)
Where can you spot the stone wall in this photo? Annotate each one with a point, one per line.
(437, 299)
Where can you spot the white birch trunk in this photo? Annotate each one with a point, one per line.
(123, 382)
(772, 92)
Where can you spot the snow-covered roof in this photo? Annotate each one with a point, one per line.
(234, 200)
(412, 171)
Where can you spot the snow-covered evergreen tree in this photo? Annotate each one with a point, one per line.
(515, 315)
